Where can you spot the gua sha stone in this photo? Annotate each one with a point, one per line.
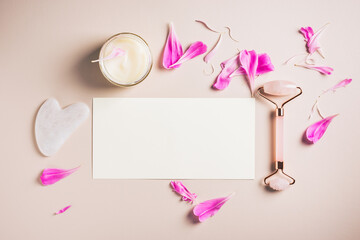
(280, 88)
(54, 125)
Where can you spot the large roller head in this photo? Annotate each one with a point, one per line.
(280, 88)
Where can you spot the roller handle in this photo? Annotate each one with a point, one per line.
(279, 138)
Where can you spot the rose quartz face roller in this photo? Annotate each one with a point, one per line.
(279, 180)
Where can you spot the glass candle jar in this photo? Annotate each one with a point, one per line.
(130, 68)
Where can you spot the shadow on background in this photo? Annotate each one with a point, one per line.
(192, 218)
(90, 73)
(33, 129)
(304, 139)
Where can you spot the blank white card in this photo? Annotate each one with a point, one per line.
(173, 138)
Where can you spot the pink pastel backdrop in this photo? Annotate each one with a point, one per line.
(46, 48)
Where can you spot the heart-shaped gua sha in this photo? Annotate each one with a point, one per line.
(54, 125)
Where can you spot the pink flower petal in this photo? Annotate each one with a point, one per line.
(312, 39)
(317, 130)
(209, 208)
(238, 72)
(52, 175)
(341, 84)
(321, 69)
(195, 49)
(228, 67)
(222, 81)
(62, 210)
(264, 64)
(180, 189)
(252, 65)
(313, 44)
(116, 52)
(307, 32)
(172, 50)
(249, 62)
(231, 64)
(213, 51)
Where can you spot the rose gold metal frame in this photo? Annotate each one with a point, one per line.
(278, 112)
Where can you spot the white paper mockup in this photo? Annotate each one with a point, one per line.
(173, 138)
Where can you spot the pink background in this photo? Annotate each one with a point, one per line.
(46, 48)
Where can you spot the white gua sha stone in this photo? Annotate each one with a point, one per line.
(54, 125)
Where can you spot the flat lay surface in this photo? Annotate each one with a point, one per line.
(46, 51)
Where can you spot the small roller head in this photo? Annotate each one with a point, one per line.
(278, 183)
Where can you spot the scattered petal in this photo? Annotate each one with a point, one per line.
(259, 64)
(307, 32)
(317, 130)
(312, 39)
(293, 57)
(222, 81)
(249, 62)
(264, 64)
(209, 208)
(62, 210)
(319, 51)
(172, 50)
(52, 175)
(216, 31)
(313, 44)
(228, 67)
(212, 70)
(309, 60)
(318, 111)
(321, 69)
(195, 49)
(116, 52)
(180, 189)
(238, 72)
(317, 108)
(230, 35)
(313, 108)
(207, 26)
(213, 51)
(341, 84)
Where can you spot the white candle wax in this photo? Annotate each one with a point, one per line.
(130, 68)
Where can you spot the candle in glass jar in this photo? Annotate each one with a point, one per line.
(129, 68)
